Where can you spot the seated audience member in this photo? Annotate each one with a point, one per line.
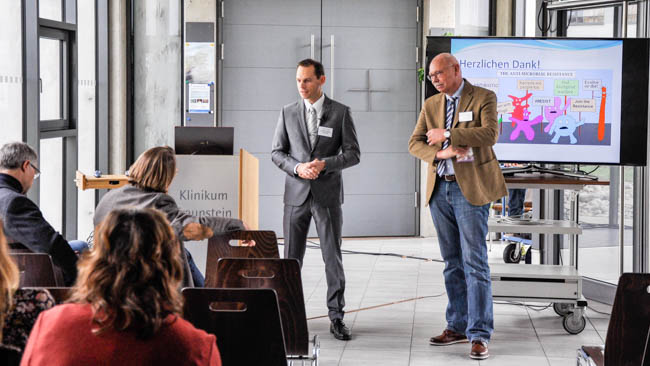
(126, 303)
(18, 307)
(24, 225)
(149, 180)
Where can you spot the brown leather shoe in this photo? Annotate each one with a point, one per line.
(448, 337)
(479, 350)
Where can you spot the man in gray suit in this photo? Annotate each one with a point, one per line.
(314, 141)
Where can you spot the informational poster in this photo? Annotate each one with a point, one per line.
(199, 96)
(557, 100)
(199, 62)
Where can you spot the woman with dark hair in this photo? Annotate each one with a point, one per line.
(125, 305)
(18, 307)
(149, 180)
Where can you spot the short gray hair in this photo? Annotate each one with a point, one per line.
(13, 154)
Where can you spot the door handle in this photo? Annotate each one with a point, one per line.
(313, 47)
(332, 66)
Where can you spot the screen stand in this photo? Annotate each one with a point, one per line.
(533, 168)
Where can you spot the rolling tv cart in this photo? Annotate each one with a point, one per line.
(560, 285)
(557, 284)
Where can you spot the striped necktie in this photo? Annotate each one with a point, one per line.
(451, 111)
(312, 126)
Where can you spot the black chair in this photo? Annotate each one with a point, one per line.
(245, 321)
(36, 270)
(9, 356)
(266, 246)
(628, 334)
(283, 276)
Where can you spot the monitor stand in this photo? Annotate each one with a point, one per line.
(534, 168)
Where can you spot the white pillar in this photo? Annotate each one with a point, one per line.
(117, 70)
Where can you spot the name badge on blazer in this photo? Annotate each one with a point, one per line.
(465, 116)
(325, 131)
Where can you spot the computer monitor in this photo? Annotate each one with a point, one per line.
(204, 140)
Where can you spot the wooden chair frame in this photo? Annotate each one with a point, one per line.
(246, 322)
(628, 334)
(266, 246)
(37, 270)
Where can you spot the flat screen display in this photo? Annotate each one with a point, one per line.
(560, 100)
(204, 140)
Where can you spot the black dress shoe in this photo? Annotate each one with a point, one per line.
(339, 330)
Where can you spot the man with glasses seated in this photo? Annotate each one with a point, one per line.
(23, 222)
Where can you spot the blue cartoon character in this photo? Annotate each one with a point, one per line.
(565, 126)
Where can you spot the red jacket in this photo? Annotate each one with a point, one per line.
(62, 336)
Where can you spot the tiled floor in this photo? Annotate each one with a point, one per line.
(398, 334)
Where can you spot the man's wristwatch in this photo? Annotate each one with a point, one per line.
(447, 134)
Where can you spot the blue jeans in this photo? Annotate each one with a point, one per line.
(78, 245)
(197, 276)
(462, 228)
(516, 202)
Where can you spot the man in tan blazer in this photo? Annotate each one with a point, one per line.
(455, 134)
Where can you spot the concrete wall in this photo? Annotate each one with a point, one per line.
(157, 72)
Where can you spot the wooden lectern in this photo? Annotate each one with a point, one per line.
(217, 185)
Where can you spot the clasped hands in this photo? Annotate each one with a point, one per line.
(310, 170)
(436, 135)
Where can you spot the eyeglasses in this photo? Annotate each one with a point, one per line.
(436, 74)
(38, 172)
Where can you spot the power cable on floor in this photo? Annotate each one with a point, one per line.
(315, 245)
(599, 312)
(382, 305)
(523, 304)
(403, 256)
(543, 307)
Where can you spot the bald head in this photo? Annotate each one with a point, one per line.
(445, 73)
(447, 58)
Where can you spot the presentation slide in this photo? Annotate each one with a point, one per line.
(557, 100)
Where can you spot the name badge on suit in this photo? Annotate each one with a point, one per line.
(465, 116)
(325, 131)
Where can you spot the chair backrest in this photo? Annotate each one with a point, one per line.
(629, 325)
(36, 270)
(9, 356)
(245, 321)
(266, 246)
(281, 275)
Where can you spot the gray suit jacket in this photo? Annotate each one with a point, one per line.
(291, 146)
